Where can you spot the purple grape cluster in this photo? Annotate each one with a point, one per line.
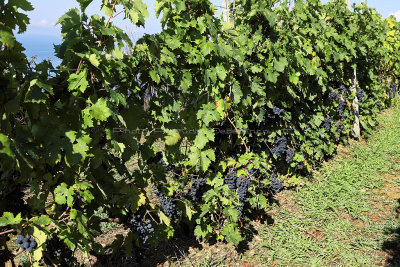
(275, 185)
(168, 205)
(333, 96)
(230, 179)
(289, 155)
(27, 243)
(271, 113)
(392, 92)
(327, 124)
(340, 108)
(158, 159)
(360, 95)
(343, 91)
(196, 191)
(277, 111)
(280, 147)
(242, 185)
(142, 227)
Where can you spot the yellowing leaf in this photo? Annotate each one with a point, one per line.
(172, 138)
(93, 59)
(40, 238)
(142, 199)
(164, 218)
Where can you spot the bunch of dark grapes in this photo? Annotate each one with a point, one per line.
(392, 92)
(168, 205)
(275, 185)
(327, 124)
(59, 253)
(280, 147)
(230, 179)
(289, 155)
(340, 108)
(277, 111)
(343, 91)
(158, 159)
(196, 191)
(27, 243)
(272, 113)
(142, 227)
(242, 185)
(360, 95)
(333, 96)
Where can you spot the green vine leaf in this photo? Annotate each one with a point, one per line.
(8, 219)
(78, 81)
(100, 110)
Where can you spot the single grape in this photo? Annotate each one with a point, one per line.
(20, 239)
(25, 245)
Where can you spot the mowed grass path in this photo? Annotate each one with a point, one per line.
(346, 214)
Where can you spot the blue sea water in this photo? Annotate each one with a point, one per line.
(40, 46)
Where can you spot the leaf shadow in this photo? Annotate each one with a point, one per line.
(392, 245)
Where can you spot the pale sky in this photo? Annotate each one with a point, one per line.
(47, 12)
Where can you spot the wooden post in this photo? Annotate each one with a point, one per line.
(348, 4)
(225, 10)
(234, 12)
(356, 126)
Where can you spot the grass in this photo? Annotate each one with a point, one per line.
(345, 215)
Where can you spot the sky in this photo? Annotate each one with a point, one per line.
(42, 32)
(47, 12)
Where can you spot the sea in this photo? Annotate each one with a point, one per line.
(40, 47)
